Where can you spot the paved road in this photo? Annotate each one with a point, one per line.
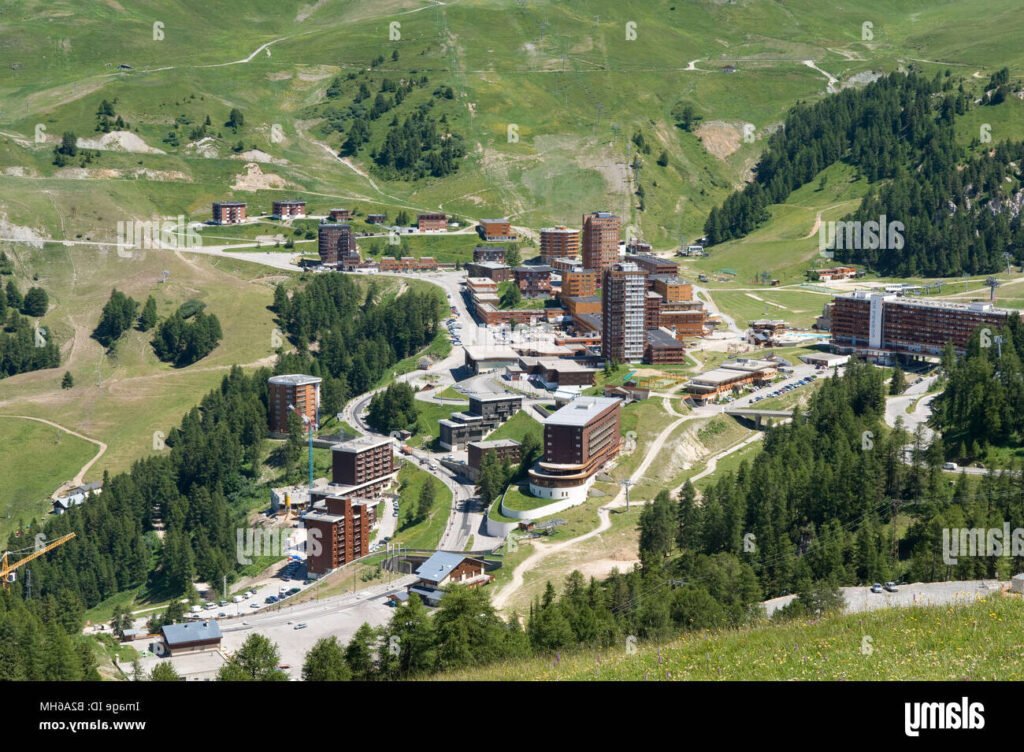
(860, 599)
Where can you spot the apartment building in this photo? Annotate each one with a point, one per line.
(337, 532)
(579, 439)
(486, 412)
(432, 222)
(533, 281)
(579, 282)
(496, 229)
(559, 242)
(623, 313)
(339, 215)
(289, 209)
(229, 212)
(662, 348)
(653, 264)
(361, 460)
(506, 451)
(292, 390)
(494, 253)
(882, 326)
(336, 243)
(492, 270)
(600, 240)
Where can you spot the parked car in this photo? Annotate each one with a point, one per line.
(891, 587)
(950, 466)
(301, 625)
(876, 588)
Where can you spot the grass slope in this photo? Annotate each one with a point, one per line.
(939, 643)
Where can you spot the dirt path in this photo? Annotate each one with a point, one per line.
(79, 478)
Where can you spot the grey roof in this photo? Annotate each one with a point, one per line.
(295, 379)
(660, 338)
(495, 443)
(580, 411)
(176, 634)
(439, 566)
(538, 269)
(495, 396)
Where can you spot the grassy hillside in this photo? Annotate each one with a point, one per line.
(35, 460)
(546, 95)
(965, 643)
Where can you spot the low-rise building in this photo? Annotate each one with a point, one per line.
(837, 272)
(339, 215)
(376, 219)
(731, 376)
(663, 348)
(407, 264)
(489, 253)
(533, 281)
(443, 569)
(191, 637)
(507, 452)
(496, 229)
(77, 495)
(289, 209)
(484, 358)
(578, 305)
(486, 412)
(492, 270)
(229, 212)
(554, 373)
(432, 222)
(671, 288)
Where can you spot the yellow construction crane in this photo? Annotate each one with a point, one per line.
(7, 569)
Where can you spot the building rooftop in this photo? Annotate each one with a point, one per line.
(295, 379)
(580, 411)
(493, 396)
(439, 566)
(177, 634)
(289, 201)
(493, 221)
(669, 279)
(362, 443)
(229, 203)
(489, 265)
(602, 214)
(717, 376)
(494, 443)
(584, 298)
(538, 269)
(561, 229)
(490, 352)
(564, 365)
(748, 364)
(662, 338)
(650, 258)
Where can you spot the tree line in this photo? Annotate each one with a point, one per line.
(359, 334)
(24, 346)
(958, 214)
